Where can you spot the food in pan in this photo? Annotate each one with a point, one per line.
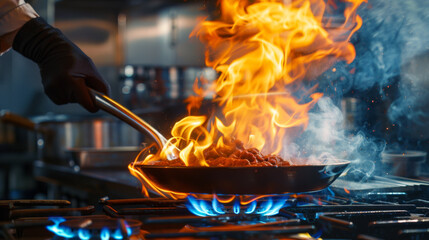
(231, 154)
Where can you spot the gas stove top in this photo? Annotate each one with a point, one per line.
(402, 212)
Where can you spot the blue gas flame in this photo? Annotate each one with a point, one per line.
(251, 208)
(318, 234)
(267, 207)
(61, 231)
(84, 234)
(105, 234)
(236, 208)
(275, 207)
(217, 206)
(264, 206)
(117, 234)
(202, 207)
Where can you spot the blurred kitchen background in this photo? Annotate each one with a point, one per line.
(142, 48)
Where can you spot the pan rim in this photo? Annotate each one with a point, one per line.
(340, 163)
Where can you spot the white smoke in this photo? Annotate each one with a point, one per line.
(326, 141)
(392, 50)
(392, 44)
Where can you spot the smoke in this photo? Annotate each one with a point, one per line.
(392, 52)
(326, 141)
(392, 49)
(412, 104)
(391, 43)
(398, 38)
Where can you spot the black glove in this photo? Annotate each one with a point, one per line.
(66, 71)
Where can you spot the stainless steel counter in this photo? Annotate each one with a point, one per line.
(87, 186)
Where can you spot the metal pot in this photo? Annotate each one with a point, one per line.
(403, 163)
(14, 138)
(56, 134)
(112, 157)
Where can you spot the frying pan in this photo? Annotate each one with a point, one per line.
(225, 180)
(244, 180)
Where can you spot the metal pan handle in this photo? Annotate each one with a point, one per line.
(17, 120)
(110, 106)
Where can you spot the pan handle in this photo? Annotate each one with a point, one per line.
(17, 120)
(110, 106)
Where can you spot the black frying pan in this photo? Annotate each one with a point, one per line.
(224, 180)
(244, 180)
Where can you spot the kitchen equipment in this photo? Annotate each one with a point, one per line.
(56, 134)
(403, 163)
(244, 180)
(386, 213)
(15, 138)
(122, 113)
(87, 158)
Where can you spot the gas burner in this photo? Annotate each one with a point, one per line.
(266, 206)
(263, 205)
(401, 213)
(98, 228)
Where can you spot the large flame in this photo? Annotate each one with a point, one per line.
(266, 53)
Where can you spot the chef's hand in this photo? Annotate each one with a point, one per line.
(66, 71)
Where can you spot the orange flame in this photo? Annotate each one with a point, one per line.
(194, 102)
(346, 190)
(266, 52)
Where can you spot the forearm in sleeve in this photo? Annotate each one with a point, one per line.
(13, 14)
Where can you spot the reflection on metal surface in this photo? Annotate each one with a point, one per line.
(162, 39)
(156, 86)
(96, 37)
(404, 163)
(98, 134)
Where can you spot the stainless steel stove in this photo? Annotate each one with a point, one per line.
(399, 210)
